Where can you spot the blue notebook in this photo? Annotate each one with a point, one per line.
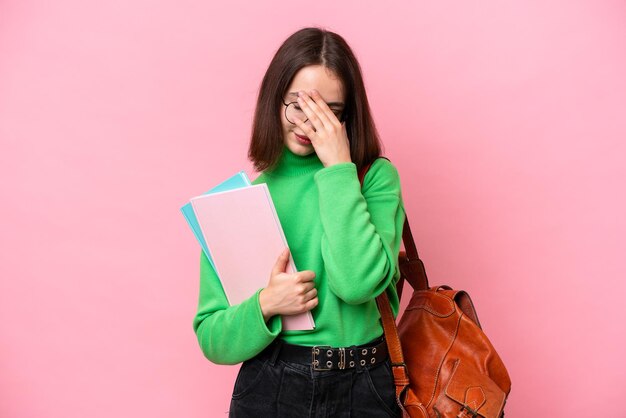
(238, 180)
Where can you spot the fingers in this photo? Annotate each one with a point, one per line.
(311, 294)
(332, 117)
(281, 263)
(308, 131)
(311, 303)
(309, 300)
(306, 287)
(305, 276)
(314, 112)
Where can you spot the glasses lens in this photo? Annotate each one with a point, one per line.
(294, 111)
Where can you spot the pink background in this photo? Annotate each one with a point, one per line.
(506, 120)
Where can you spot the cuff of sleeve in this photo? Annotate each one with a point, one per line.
(274, 325)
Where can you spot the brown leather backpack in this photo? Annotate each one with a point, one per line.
(443, 363)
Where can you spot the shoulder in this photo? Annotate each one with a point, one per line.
(381, 176)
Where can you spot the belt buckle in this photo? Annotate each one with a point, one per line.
(342, 358)
(315, 350)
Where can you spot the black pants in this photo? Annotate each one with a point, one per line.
(267, 386)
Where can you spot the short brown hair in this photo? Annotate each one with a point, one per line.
(312, 46)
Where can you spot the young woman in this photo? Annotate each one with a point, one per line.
(312, 132)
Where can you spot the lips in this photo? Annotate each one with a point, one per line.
(303, 139)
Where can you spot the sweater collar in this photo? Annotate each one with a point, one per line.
(291, 165)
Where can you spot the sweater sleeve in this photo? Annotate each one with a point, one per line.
(230, 334)
(362, 229)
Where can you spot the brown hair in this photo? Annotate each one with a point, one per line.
(312, 46)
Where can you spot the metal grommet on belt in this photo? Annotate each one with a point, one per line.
(324, 357)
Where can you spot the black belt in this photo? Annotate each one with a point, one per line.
(324, 357)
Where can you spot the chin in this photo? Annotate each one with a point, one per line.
(300, 149)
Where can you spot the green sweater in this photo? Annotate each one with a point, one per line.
(350, 237)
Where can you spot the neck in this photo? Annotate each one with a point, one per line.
(291, 164)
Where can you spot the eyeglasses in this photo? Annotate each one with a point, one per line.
(293, 111)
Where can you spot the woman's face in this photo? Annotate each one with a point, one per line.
(308, 78)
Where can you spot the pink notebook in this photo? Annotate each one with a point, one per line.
(245, 238)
